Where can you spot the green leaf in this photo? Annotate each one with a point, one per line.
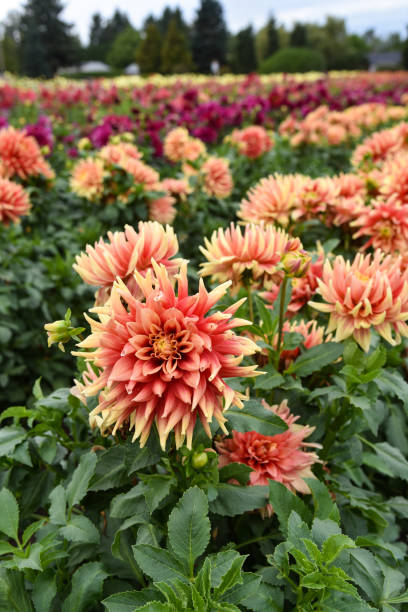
(6, 548)
(236, 471)
(231, 577)
(17, 412)
(44, 591)
(110, 470)
(220, 564)
(390, 460)
(316, 358)
(9, 514)
(157, 606)
(130, 503)
(203, 578)
(334, 545)
(31, 529)
(366, 572)
(13, 594)
(37, 391)
(158, 563)
(189, 527)
(128, 601)
(86, 589)
(78, 486)
(10, 437)
(268, 381)
(254, 417)
(324, 507)
(284, 501)
(58, 506)
(232, 500)
(157, 487)
(391, 382)
(80, 529)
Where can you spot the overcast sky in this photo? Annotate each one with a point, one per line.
(384, 16)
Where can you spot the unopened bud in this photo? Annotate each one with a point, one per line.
(199, 460)
(296, 263)
(58, 331)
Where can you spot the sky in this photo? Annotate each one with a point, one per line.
(385, 16)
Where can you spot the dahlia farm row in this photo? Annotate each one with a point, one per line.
(204, 333)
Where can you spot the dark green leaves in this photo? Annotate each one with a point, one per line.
(316, 358)
(254, 417)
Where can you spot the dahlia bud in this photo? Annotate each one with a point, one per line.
(296, 263)
(199, 460)
(61, 331)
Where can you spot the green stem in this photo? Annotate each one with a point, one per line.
(250, 303)
(281, 317)
(252, 541)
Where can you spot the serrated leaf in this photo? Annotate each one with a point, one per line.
(316, 358)
(157, 487)
(44, 591)
(158, 563)
(31, 529)
(78, 485)
(6, 548)
(189, 527)
(111, 470)
(334, 545)
(9, 514)
(232, 499)
(220, 564)
(324, 507)
(80, 529)
(87, 584)
(254, 417)
(236, 471)
(10, 437)
(58, 506)
(391, 460)
(128, 601)
(284, 501)
(231, 577)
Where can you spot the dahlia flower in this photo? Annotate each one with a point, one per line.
(313, 196)
(14, 202)
(178, 188)
(175, 144)
(385, 224)
(162, 359)
(256, 251)
(271, 201)
(377, 147)
(252, 141)
(87, 179)
(142, 173)
(280, 457)
(162, 209)
(127, 252)
(370, 292)
(217, 177)
(116, 153)
(21, 156)
(349, 201)
(394, 178)
(312, 333)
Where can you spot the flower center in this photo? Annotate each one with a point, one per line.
(362, 277)
(164, 345)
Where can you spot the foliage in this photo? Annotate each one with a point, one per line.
(209, 35)
(293, 59)
(148, 55)
(123, 49)
(175, 54)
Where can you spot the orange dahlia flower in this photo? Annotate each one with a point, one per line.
(178, 188)
(87, 179)
(281, 457)
(385, 224)
(162, 209)
(116, 153)
(252, 141)
(142, 173)
(370, 292)
(126, 252)
(175, 144)
(21, 156)
(377, 147)
(217, 177)
(270, 201)
(394, 177)
(14, 202)
(349, 202)
(313, 197)
(256, 251)
(162, 359)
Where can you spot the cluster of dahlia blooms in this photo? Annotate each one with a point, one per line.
(116, 172)
(158, 355)
(247, 256)
(371, 292)
(124, 253)
(325, 127)
(253, 141)
(212, 173)
(377, 147)
(20, 156)
(283, 457)
(14, 202)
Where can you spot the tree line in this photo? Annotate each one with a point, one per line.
(38, 42)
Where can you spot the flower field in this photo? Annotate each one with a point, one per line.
(204, 334)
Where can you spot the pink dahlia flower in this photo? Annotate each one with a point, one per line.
(385, 224)
(163, 209)
(281, 457)
(175, 144)
(270, 201)
(217, 177)
(313, 197)
(252, 141)
(370, 292)
(127, 252)
(163, 358)
(87, 179)
(21, 156)
(394, 178)
(14, 202)
(256, 251)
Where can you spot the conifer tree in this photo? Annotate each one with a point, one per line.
(148, 55)
(244, 57)
(209, 35)
(175, 54)
(272, 37)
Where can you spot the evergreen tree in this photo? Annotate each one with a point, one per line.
(244, 51)
(46, 40)
(298, 36)
(405, 52)
(9, 45)
(148, 55)
(123, 51)
(272, 37)
(209, 35)
(175, 54)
